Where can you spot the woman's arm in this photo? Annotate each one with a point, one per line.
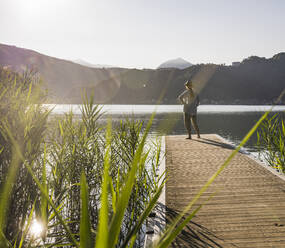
(181, 97)
(197, 101)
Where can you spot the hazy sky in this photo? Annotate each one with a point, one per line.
(145, 33)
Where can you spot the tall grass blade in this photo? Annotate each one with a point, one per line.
(27, 226)
(114, 196)
(4, 242)
(85, 226)
(103, 232)
(29, 92)
(7, 188)
(44, 203)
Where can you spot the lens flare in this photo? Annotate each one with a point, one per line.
(36, 229)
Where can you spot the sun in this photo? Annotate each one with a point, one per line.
(39, 7)
(36, 229)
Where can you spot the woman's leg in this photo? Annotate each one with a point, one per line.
(195, 125)
(187, 123)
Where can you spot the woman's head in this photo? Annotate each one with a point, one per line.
(189, 84)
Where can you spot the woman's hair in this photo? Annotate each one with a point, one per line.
(189, 83)
(189, 86)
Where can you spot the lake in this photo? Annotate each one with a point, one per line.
(232, 122)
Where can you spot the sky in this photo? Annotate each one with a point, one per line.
(145, 33)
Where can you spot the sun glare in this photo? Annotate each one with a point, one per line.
(36, 229)
(39, 7)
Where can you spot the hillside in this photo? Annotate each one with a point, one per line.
(255, 81)
(61, 77)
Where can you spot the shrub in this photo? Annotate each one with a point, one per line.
(271, 141)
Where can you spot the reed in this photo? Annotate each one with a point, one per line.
(27, 122)
(59, 171)
(271, 141)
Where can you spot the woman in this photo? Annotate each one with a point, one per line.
(191, 102)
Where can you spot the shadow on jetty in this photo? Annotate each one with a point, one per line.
(195, 235)
(215, 143)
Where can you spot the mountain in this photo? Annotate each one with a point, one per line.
(175, 63)
(84, 63)
(255, 80)
(64, 79)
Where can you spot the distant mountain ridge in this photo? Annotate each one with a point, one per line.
(175, 63)
(64, 79)
(255, 80)
(85, 63)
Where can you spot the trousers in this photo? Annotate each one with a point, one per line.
(187, 122)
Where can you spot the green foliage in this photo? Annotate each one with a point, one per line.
(27, 122)
(271, 141)
(85, 226)
(64, 170)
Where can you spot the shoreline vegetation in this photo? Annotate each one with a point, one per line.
(271, 142)
(76, 182)
(60, 173)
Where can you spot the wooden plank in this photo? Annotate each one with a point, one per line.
(248, 209)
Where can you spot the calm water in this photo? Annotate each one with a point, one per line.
(230, 121)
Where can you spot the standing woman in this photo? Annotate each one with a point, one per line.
(191, 102)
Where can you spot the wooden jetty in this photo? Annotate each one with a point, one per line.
(248, 207)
